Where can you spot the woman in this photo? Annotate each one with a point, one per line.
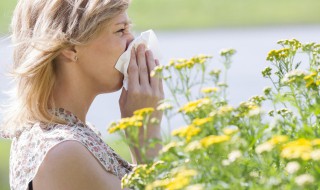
(64, 56)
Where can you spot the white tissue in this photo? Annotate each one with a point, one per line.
(149, 39)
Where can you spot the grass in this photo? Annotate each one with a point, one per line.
(117, 145)
(190, 14)
(6, 10)
(4, 164)
(177, 14)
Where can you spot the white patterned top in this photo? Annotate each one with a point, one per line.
(29, 149)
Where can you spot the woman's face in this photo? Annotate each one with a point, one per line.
(97, 59)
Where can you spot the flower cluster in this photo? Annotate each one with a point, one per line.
(224, 146)
(195, 106)
(278, 54)
(187, 132)
(189, 63)
(134, 121)
(302, 148)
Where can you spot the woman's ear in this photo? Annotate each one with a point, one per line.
(70, 54)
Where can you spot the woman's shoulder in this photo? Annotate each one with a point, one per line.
(30, 150)
(71, 166)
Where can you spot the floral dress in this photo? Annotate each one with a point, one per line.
(29, 149)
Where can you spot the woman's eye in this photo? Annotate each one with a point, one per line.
(121, 30)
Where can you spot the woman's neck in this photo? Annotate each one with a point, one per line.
(72, 98)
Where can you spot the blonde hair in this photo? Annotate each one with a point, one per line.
(41, 29)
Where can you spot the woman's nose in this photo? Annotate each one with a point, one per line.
(130, 39)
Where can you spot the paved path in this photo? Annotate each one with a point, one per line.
(245, 80)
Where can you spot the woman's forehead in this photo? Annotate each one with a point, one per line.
(121, 19)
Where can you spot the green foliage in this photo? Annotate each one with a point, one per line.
(4, 164)
(239, 147)
(179, 14)
(6, 10)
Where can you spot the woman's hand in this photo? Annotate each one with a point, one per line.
(143, 90)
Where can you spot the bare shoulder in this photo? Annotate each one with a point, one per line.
(69, 165)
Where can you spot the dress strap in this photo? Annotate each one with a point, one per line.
(30, 186)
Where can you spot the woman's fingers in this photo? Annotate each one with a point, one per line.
(123, 97)
(133, 71)
(154, 81)
(142, 64)
(142, 90)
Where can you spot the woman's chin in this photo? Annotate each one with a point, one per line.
(116, 87)
(119, 87)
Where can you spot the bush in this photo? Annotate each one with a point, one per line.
(236, 147)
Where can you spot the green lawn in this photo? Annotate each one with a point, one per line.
(181, 14)
(117, 145)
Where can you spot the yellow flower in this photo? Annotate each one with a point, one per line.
(186, 132)
(278, 139)
(201, 121)
(179, 180)
(171, 145)
(154, 166)
(230, 130)
(224, 110)
(171, 62)
(184, 63)
(300, 148)
(200, 59)
(177, 183)
(207, 141)
(134, 121)
(270, 144)
(293, 43)
(139, 168)
(181, 60)
(164, 106)
(278, 54)
(194, 105)
(143, 112)
(180, 66)
(113, 127)
(310, 79)
(227, 52)
(209, 90)
(157, 184)
(157, 70)
(315, 142)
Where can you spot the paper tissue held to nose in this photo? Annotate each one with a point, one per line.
(149, 39)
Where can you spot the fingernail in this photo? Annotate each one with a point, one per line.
(148, 52)
(142, 46)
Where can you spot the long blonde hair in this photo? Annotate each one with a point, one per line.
(41, 29)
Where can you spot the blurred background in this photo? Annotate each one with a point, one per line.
(186, 28)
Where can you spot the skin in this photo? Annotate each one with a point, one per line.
(78, 82)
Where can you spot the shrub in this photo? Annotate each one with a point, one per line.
(237, 147)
